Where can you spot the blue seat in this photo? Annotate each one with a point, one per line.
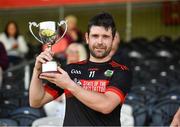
(163, 112)
(26, 115)
(7, 122)
(139, 111)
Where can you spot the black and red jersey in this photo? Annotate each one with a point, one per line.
(99, 77)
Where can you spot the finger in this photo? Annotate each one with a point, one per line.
(61, 70)
(41, 60)
(47, 54)
(49, 51)
(46, 57)
(49, 75)
(52, 53)
(46, 78)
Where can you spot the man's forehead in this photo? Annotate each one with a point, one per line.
(94, 29)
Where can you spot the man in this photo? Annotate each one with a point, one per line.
(95, 89)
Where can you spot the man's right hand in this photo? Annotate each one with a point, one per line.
(37, 94)
(44, 57)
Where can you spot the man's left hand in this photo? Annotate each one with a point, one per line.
(60, 78)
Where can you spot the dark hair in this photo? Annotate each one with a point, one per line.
(17, 30)
(102, 19)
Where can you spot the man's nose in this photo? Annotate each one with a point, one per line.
(100, 40)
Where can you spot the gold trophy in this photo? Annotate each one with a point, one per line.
(48, 34)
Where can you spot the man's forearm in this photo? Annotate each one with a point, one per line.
(94, 100)
(36, 89)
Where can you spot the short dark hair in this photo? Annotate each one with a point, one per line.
(103, 19)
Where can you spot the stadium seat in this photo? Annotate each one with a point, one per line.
(163, 112)
(26, 115)
(146, 92)
(7, 106)
(50, 121)
(139, 112)
(8, 122)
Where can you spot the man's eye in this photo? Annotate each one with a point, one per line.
(95, 36)
(105, 36)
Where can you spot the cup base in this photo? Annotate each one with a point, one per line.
(50, 66)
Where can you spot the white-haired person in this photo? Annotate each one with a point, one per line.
(73, 33)
(76, 52)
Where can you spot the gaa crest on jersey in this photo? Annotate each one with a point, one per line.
(74, 71)
(108, 73)
(77, 81)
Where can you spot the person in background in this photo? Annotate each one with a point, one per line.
(75, 52)
(117, 53)
(3, 62)
(14, 43)
(115, 44)
(73, 33)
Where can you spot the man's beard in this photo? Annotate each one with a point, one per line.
(99, 55)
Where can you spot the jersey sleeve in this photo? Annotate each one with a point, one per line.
(53, 90)
(120, 83)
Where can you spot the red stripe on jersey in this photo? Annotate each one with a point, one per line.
(93, 69)
(80, 62)
(118, 92)
(51, 91)
(67, 91)
(121, 66)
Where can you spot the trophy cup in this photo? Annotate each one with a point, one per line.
(48, 34)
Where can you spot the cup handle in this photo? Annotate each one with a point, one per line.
(61, 23)
(30, 28)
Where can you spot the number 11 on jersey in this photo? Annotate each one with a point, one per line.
(91, 74)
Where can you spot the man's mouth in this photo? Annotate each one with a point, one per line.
(99, 49)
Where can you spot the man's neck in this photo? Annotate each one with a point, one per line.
(99, 60)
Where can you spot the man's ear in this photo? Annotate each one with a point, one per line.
(117, 38)
(87, 38)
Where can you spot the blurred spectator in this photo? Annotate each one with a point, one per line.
(75, 52)
(56, 107)
(14, 43)
(115, 44)
(117, 53)
(73, 33)
(3, 61)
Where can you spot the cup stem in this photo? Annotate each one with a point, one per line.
(49, 47)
